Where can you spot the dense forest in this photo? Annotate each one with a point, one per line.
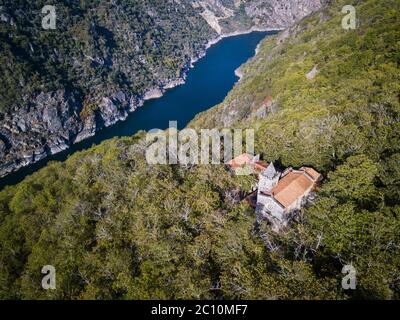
(98, 47)
(61, 85)
(70, 68)
(343, 121)
(116, 227)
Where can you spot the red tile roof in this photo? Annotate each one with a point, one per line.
(312, 173)
(294, 185)
(246, 159)
(260, 166)
(240, 161)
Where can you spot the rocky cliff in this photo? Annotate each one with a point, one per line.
(240, 16)
(104, 59)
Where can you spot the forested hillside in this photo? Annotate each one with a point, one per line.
(96, 45)
(103, 59)
(326, 97)
(60, 86)
(115, 227)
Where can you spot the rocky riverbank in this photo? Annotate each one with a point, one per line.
(53, 121)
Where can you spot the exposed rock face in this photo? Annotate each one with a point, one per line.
(153, 94)
(280, 14)
(311, 75)
(48, 125)
(50, 121)
(226, 16)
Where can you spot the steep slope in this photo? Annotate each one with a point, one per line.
(322, 96)
(227, 16)
(102, 61)
(62, 85)
(318, 93)
(116, 227)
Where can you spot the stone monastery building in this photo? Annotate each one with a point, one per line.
(279, 194)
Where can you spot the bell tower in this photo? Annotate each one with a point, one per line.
(268, 179)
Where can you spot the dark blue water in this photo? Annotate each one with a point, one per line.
(207, 84)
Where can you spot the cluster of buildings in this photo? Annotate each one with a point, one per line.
(278, 195)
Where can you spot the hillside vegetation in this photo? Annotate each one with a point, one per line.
(115, 227)
(102, 59)
(350, 107)
(98, 47)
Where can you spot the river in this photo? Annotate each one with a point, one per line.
(207, 84)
